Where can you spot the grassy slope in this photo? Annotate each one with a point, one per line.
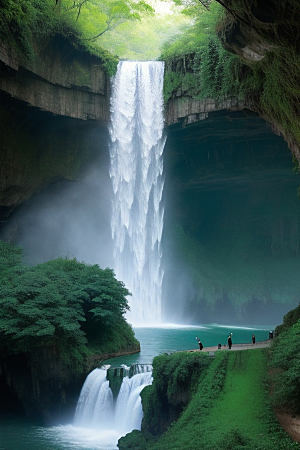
(238, 416)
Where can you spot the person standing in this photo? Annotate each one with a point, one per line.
(200, 343)
(229, 341)
(253, 338)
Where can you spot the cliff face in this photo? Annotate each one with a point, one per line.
(186, 110)
(265, 38)
(265, 35)
(232, 222)
(41, 386)
(232, 212)
(60, 79)
(53, 111)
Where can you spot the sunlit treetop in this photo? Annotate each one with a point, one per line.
(96, 17)
(192, 7)
(128, 29)
(143, 39)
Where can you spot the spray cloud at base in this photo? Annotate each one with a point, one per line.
(66, 219)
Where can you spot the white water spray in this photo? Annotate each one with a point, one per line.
(95, 404)
(97, 410)
(136, 172)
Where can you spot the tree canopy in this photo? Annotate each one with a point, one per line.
(131, 29)
(144, 39)
(96, 17)
(62, 303)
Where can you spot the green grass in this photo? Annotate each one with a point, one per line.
(230, 411)
(240, 411)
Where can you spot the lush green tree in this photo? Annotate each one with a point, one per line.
(145, 38)
(192, 7)
(61, 303)
(96, 17)
(10, 262)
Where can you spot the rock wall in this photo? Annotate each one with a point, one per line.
(253, 31)
(38, 148)
(60, 79)
(186, 110)
(231, 223)
(41, 386)
(54, 110)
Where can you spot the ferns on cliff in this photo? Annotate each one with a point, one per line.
(269, 85)
(24, 23)
(25, 18)
(198, 65)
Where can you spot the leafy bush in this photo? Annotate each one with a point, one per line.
(22, 19)
(63, 304)
(134, 440)
(285, 360)
(289, 319)
(177, 375)
(10, 262)
(175, 379)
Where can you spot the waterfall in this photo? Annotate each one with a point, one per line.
(96, 408)
(129, 412)
(95, 404)
(136, 171)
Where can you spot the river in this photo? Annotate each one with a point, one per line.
(19, 434)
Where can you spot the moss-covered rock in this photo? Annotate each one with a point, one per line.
(175, 378)
(134, 440)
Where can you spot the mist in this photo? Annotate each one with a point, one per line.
(66, 219)
(231, 232)
(231, 225)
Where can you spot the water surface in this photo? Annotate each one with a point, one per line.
(19, 434)
(171, 338)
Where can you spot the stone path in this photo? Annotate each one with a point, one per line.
(261, 344)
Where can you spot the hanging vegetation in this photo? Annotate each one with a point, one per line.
(243, 50)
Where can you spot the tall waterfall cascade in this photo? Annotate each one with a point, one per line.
(97, 408)
(136, 171)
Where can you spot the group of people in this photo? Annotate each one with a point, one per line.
(229, 342)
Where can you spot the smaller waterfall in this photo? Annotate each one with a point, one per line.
(97, 408)
(129, 412)
(95, 404)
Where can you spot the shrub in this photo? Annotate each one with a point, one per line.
(64, 304)
(285, 359)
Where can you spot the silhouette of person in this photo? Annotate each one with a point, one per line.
(200, 343)
(229, 341)
(253, 338)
